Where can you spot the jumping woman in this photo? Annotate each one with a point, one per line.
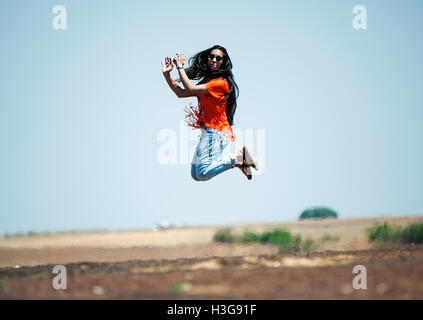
(216, 94)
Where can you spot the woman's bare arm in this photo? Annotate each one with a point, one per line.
(190, 88)
(166, 68)
(180, 92)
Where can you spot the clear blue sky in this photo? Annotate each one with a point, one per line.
(80, 111)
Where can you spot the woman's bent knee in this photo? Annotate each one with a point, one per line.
(195, 178)
(203, 176)
(194, 173)
(199, 173)
(198, 176)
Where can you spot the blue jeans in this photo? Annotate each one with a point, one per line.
(208, 160)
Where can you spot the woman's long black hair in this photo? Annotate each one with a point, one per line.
(199, 69)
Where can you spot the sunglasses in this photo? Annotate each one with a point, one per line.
(218, 58)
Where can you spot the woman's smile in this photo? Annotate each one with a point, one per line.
(213, 65)
(215, 59)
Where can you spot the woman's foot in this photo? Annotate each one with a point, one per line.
(239, 158)
(246, 170)
(243, 156)
(248, 159)
(244, 160)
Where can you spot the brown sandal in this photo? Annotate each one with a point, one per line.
(248, 158)
(246, 170)
(245, 167)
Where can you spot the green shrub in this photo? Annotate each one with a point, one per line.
(250, 237)
(413, 233)
(181, 286)
(286, 242)
(384, 233)
(224, 235)
(291, 247)
(308, 245)
(278, 236)
(318, 212)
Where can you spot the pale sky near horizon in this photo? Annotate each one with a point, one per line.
(81, 110)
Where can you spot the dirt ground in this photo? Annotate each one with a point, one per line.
(185, 264)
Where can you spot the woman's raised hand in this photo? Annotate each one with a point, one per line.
(167, 66)
(179, 60)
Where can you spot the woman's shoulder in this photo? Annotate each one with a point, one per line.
(218, 82)
(220, 79)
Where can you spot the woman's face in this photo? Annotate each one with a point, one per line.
(215, 59)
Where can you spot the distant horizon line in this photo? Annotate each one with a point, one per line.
(157, 227)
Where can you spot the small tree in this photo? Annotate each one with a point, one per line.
(318, 212)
